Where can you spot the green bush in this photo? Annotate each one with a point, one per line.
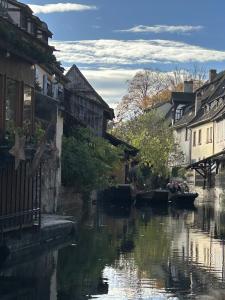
(88, 161)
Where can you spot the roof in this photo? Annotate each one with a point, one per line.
(202, 117)
(187, 117)
(207, 83)
(182, 97)
(206, 94)
(212, 90)
(29, 11)
(91, 90)
(212, 158)
(21, 5)
(220, 114)
(117, 142)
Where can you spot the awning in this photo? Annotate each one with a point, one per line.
(207, 166)
(117, 142)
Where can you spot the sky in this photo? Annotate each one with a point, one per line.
(110, 40)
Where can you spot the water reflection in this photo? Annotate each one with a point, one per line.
(32, 280)
(127, 255)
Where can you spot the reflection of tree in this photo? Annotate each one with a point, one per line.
(152, 247)
(80, 267)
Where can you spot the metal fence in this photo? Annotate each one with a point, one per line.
(20, 196)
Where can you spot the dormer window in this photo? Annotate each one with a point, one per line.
(214, 104)
(220, 102)
(33, 29)
(23, 21)
(207, 108)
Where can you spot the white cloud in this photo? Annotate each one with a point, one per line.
(130, 52)
(59, 7)
(163, 28)
(110, 83)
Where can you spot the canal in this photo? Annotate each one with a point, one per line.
(129, 254)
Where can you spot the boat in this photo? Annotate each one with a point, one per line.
(162, 197)
(157, 197)
(182, 199)
(120, 195)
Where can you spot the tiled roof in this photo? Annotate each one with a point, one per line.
(186, 118)
(202, 117)
(212, 90)
(220, 114)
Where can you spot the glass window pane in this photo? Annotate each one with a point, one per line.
(11, 100)
(27, 107)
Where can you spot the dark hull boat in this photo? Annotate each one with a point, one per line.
(182, 199)
(154, 197)
(121, 195)
(161, 197)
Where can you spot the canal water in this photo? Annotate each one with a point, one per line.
(129, 254)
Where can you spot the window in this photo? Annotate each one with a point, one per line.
(209, 135)
(186, 134)
(200, 137)
(49, 89)
(194, 138)
(17, 105)
(33, 29)
(27, 108)
(179, 113)
(12, 93)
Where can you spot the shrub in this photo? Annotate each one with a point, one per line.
(88, 161)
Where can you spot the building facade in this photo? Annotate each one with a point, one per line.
(84, 104)
(30, 80)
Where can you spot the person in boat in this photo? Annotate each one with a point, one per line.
(171, 187)
(184, 187)
(177, 187)
(174, 187)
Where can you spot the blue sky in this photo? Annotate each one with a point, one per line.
(111, 39)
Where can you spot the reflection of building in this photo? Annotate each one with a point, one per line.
(200, 246)
(31, 280)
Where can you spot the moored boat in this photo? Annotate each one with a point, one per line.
(121, 195)
(162, 197)
(157, 197)
(182, 199)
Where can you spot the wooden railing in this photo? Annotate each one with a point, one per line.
(20, 195)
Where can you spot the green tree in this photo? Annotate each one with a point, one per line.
(153, 136)
(88, 161)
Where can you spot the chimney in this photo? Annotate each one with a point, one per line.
(212, 75)
(188, 86)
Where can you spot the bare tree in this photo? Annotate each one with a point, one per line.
(152, 86)
(196, 73)
(144, 85)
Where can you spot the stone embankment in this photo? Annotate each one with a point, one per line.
(54, 232)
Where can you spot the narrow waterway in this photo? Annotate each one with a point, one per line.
(129, 254)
